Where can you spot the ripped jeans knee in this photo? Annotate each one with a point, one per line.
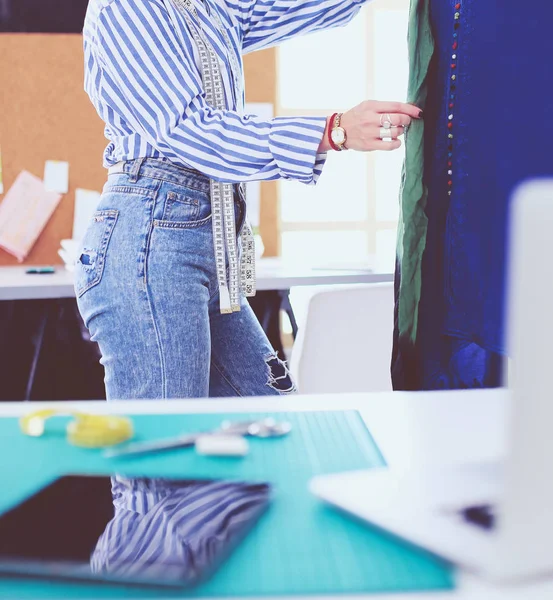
(279, 375)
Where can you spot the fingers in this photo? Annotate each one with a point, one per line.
(396, 107)
(393, 132)
(395, 119)
(374, 125)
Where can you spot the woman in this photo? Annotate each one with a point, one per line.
(161, 265)
(451, 269)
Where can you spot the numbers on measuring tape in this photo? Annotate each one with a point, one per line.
(241, 267)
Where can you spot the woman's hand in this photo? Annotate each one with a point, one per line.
(363, 125)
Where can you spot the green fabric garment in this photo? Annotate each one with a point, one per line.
(413, 221)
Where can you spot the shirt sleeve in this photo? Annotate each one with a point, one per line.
(149, 78)
(265, 23)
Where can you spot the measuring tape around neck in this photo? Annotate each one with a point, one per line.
(241, 271)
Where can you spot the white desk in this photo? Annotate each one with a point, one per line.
(15, 284)
(411, 429)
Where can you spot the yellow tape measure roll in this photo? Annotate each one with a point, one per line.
(85, 431)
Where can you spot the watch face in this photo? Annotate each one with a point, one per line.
(338, 136)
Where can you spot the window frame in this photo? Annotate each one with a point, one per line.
(371, 225)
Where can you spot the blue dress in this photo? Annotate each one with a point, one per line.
(486, 90)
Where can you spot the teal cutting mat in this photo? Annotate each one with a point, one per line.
(299, 547)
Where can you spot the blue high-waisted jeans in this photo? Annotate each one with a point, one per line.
(147, 289)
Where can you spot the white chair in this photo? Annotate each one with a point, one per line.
(345, 344)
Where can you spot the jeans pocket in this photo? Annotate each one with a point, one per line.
(180, 207)
(90, 264)
(184, 208)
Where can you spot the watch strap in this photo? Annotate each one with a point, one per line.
(331, 126)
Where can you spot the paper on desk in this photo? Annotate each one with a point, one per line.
(24, 212)
(86, 203)
(56, 176)
(67, 259)
(68, 252)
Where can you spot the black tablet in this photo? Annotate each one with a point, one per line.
(117, 529)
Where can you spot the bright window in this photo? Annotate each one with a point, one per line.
(351, 215)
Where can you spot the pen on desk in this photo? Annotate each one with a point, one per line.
(41, 271)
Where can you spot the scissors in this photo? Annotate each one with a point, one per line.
(264, 428)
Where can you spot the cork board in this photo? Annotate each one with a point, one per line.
(46, 115)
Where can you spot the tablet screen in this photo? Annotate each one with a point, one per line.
(129, 530)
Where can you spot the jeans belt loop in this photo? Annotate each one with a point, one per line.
(134, 173)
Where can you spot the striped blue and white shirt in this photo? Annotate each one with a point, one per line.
(143, 75)
(175, 530)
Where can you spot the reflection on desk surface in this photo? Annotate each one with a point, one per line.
(145, 531)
